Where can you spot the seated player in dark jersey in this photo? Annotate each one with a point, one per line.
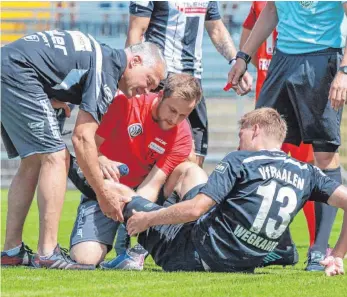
(239, 216)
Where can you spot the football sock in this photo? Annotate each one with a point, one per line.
(139, 204)
(122, 240)
(161, 197)
(311, 220)
(46, 257)
(172, 199)
(14, 251)
(325, 216)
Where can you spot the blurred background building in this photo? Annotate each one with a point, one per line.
(107, 21)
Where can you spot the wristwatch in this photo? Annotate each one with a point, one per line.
(242, 55)
(343, 69)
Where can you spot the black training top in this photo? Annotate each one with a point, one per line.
(68, 65)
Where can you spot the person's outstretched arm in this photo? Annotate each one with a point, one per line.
(183, 212)
(87, 156)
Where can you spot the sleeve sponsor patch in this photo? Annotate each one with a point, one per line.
(221, 167)
(81, 42)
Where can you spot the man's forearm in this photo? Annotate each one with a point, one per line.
(344, 58)
(244, 36)
(221, 39)
(87, 158)
(264, 26)
(182, 212)
(134, 37)
(137, 29)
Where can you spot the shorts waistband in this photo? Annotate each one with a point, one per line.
(329, 50)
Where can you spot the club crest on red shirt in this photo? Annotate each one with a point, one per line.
(135, 130)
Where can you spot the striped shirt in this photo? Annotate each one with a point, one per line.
(177, 28)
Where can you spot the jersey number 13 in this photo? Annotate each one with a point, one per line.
(268, 194)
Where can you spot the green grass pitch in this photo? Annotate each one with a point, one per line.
(274, 281)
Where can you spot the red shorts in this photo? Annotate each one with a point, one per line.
(303, 153)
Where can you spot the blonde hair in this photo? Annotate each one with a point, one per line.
(268, 119)
(182, 86)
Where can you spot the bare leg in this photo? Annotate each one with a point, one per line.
(193, 177)
(185, 177)
(88, 252)
(51, 192)
(176, 177)
(20, 196)
(200, 160)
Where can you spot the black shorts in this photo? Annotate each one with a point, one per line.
(199, 124)
(171, 246)
(298, 87)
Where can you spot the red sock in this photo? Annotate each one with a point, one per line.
(311, 220)
(304, 153)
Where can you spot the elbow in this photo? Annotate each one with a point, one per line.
(216, 34)
(76, 139)
(196, 213)
(79, 138)
(135, 36)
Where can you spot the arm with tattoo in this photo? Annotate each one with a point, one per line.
(221, 39)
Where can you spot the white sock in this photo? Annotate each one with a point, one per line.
(14, 251)
(46, 257)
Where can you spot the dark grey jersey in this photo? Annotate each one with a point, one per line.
(257, 195)
(69, 65)
(177, 28)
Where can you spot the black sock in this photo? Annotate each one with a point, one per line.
(161, 197)
(139, 204)
(325, 216)
(172, 199)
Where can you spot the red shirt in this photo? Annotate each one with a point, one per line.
(264, 53)
(133, 138)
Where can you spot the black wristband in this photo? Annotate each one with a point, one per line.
(247, 58)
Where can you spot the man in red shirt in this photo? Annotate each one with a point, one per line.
(262, 61)
(148, 133)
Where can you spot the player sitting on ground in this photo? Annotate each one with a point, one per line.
(239, 216)
(150, 134)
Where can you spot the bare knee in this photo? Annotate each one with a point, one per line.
(192, 176)
(327, 160)
(195, 174)
(175, 178)
(89, 252)
(60, 158)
